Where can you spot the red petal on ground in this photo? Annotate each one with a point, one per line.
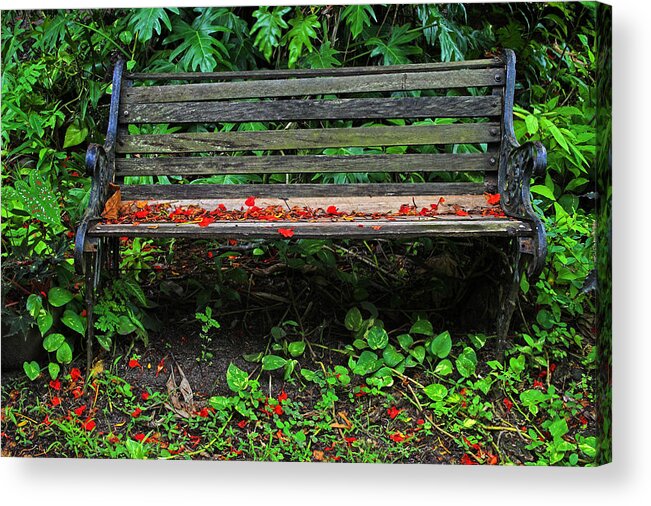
(286, 232)
(206, 221)
(397, 437)
(278, 409)
(393, 412)
(56, 401)
(141, 214)
(492, 198)
(203, 413)
(282, 396)
(350, 440)
(88, 425)
(332, 210)
(80, 410)
(508, 404)
(55, 384)
(242, 423)
(139, 437)
(136, 413)
(75, 374)
(461, 212)
(134, 363)
(77, 393)
(250, 202)
(467, 461)
(144, 396)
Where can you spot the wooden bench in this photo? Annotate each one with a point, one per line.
(305, 111)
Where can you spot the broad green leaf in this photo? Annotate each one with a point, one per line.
(397, 48)
(478, 340)
(145, 22)
(34, 304)
(104, 341)
(558, 428)
(236, 378)
(324, 58)
(543, 190)
(53, 368)
(220, 403)
(44, 320)
(532, 124)
(32, 369)
(269, 25)
(405, 341)
(272, 362)
(39, 199)
(58, 296)
(357, 17)
(517, 364)
(441, 345)
(466, 362)
(296, 348)
(125, 325)
(366, 363)
(377, 338)
(436, 391)
(418, 353)
(74, 321)
(558, 135)
(353, 320)
(391, 356)
(53, 342)
(423, 327)
(64, 353)
(589, 446)
(75, 134)
(300, 36)
(443, 368)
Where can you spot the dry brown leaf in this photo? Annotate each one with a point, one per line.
(339, 426)
(141, 204)
(318, 455)
(112, 205)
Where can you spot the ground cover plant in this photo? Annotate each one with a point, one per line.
(310, 350)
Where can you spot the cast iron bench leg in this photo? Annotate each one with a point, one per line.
(509, 299)
(91, 277)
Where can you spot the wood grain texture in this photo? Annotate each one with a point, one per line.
(341, 71)
(269, 140)
(405, 81)
(283, 164)
(294, 110)
(241, 191)
(408, 228)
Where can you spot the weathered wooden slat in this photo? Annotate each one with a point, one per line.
(341, 71)
(282, 164)
(240, 191)
(269, 140)
(406, 228)
(291, 110)
(463, 78)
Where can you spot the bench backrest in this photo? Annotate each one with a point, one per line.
(283, 126)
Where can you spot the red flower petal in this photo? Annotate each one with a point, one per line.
(56, 401)
(508, 404)
(282, 397)
(88, 425)
(278, 409)
(242, 423)
(136, 413)
(350, 440)
(467, 461)
(203, 413)
(393, 412)
(397, 437)
(332, 210)
(144, 396)
(461, 212)
(420, 421)
(286, 232)
(46, 420)
(134, 363)
(75, 374)
(250, 202)
(80, 410)
(141, 214)
(77, 393)
(139, 437)
(55, 384)
(206, 221)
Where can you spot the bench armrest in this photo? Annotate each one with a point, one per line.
(99, 169)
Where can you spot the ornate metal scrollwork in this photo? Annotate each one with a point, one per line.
(518, 164)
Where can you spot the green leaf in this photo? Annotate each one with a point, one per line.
(532, 124)
(366, 363)
(53, 368)
(64, 353)
(104, 341)
(34, 304)
(269, 25)
(199, 48)
(418, 353)
(392, 357)
(517, 364)
(443, 368)
(53, 342)
(558, 428)
(398, 48)
(44, 320)
(558, 135)
(441, 345)
(478, 340)
(147, 21)
(423, 327)
(405, 341)
(575, 183)
(38, 199)
(75, 134)
(377, 338)
(324, 58)
(467, 362)
(543, 190)
(32, 369)
(296, 349)
(589, 446)
(58, 296)
(353, 320)
(125, 325)
(357, 17)
(272, 362)
(72, 320)
(436, 391)
(237, 379)
(301, 35)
